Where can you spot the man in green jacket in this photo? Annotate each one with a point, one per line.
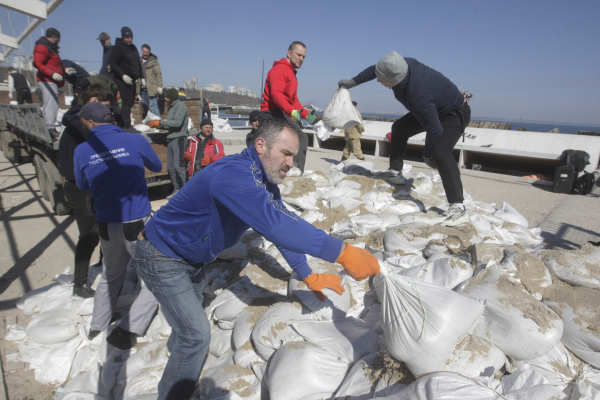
(353, 139)
(107, 83)
(177, 124)
(151, 84)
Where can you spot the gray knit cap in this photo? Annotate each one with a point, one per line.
(391, 68)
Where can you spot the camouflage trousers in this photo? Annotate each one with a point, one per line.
(353, 145)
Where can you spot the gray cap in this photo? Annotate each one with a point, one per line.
(391, 68)
(97, 112)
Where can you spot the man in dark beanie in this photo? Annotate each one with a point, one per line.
(203, 149)
(177, 124)
(435, 106)
(253, 119)
(125, 65)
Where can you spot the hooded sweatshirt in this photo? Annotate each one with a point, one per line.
(281, 89)
(125, 60)
(47, 61)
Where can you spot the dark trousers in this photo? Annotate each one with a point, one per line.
(205, 113)
(82, 205)
(128, 99)
(24, 95)
(453, 126)
(175, 161)
(300, 158)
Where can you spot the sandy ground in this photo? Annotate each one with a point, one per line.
(36, 245)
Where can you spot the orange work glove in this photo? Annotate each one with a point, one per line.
(154, 124)
(359, 263)
(205, 161)
(316, 282)
(187, 156)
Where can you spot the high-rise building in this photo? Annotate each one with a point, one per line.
(23, 63)
(232, 89)
(190, 83)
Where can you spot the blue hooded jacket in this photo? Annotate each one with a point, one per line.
(111, 164)
(218, 204)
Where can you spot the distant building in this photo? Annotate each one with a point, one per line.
(214, 87)
(190, 83)
(23, 63)
(241, 91)
(232, 89)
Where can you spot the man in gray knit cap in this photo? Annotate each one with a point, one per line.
(435, 106)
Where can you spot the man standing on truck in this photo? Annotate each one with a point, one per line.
(50, 75)
(204, 149)
(435, 106)
(125, 64)
(281, 99)
(210, 214)
(80, 202)
(18, 82)
(104, 39)
(151, 84)
(111, 164)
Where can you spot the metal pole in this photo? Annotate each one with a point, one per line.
(262, 86)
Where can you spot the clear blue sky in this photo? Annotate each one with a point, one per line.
(532, 60)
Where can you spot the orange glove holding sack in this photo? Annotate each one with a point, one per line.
(205, 161)
(359, 263)
(317, 282)
(154, 124)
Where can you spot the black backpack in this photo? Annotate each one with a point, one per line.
(584, 184)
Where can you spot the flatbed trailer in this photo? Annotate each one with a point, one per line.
(24, 138)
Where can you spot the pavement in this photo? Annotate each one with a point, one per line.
(36, 245)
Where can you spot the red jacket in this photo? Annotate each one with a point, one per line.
(213, 149)
(47, 61)
(281, 89)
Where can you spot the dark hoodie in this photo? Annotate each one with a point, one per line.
(125, 60)
(72, 136)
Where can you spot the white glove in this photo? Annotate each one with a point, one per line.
(159, 90)
(70, 71)
(10, 95)
(143, 83)
(127, 80)
(57, 77)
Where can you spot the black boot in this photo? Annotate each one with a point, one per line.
(361, 158)
(83, 291)
(122, 339)
(344, 158)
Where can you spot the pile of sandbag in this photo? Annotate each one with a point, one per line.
(476, 311)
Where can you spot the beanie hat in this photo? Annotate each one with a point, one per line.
(391, 68)
(126, 32)
(253, 116)
(83, 83)
(206, 122)
(354, 103)
(172, 94)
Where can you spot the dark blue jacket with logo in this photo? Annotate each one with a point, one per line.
(218, 204)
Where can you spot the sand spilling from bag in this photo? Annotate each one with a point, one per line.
(531, 271)
(332, 216)
(301, 187)
(578, 257)
(388, 368)
(374, 240)
(241, 386)
(367, 184)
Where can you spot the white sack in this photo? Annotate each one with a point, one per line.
(402, 207)
(422, 322)
(306, 202)
(334, 307)
(340, 113)
(220, 341)
(223, 378)
(509, 214)
(408, 238)
(150, 117)
(442, 270)
(475, 357)
(55, 326)
(142, 371)
(527, 384)
(577, 267)
(323, 130)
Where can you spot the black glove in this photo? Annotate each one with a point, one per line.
(430, 162)
(346, 83)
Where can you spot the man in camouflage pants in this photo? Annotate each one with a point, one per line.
(353, 139)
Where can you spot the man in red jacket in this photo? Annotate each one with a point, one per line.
(203, 149)
(50, 74)
(281, 100)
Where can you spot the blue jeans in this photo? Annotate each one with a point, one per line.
(178, 288)
(149, 103)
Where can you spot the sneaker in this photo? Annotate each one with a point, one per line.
(361, 158)
(172, 194)
(131, 129)
(93, 334)
(122, 339)
(344, 158)
(83, 291)
(391, 177)
(455, 215)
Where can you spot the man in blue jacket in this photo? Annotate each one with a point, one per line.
(209, 214)
(111, 164)
(435, 106)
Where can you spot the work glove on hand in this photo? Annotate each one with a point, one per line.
(430, 162)
(296, 115)
(317, 282)
(205, 161)
(70, 71)
(57, 77)
(127, 80)
(143, 83)
(346, 83)
(311, 117)
(154, 124)
(159, 90)
(187, 156)
(359, 263)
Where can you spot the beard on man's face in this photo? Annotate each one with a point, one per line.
(273, 170)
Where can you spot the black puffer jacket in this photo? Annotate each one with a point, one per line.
(72, 136)
(125, 60)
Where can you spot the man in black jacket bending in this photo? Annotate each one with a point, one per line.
(126, 67)
(435, 106)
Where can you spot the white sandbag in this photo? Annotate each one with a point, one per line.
(346, 192)
(409, 238)
(473, 357)
(115, 359)
(269, 279)
(227, 305)
(528, 269)
(321, 180)
(378, 200)
(513, 233)
(313, 216)
(403, 207)
(142, 128)
(222, 376)
(578, 308)
(272, 330)
(305, 202)
(150, 117)
(348, 204)
(442, 270)
(422, 322)
(357, 167)
(54, 326)
(47, 298)
(577, 267)
(481, 224)
(527, 384)
(51, 363)
(221, 124)
(334, 307)
(350, 338)
(362, 225)
(420, 217)
(515, 321)
(220, 341)
(348, 183)
(84, 383)
(479, 207)
(323, 130)
(509, 214)
(250, 240)
(334, 175)
(340, 113)
(301, 370)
